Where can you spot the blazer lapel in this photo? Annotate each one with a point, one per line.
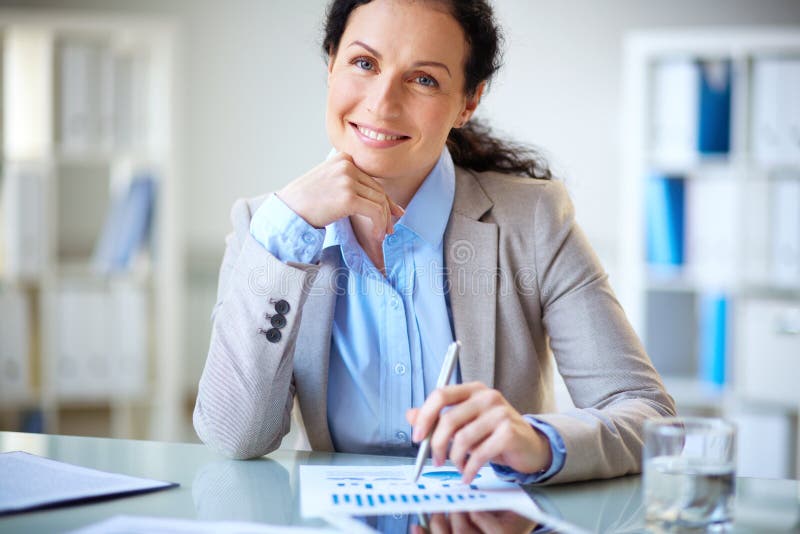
(312, 353)
(470, 251)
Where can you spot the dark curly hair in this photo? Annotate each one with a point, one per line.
(473, 145)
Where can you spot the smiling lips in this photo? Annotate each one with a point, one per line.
(378, 138)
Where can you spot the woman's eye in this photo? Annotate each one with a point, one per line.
(364, 64)
(427, 81)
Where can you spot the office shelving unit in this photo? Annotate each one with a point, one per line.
(89, 104)
(729, 229)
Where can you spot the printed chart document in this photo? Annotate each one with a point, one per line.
(357, 490)
(29, 481)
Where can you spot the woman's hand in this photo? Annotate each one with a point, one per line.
(336, 188)
(483, 427)
(494, 522)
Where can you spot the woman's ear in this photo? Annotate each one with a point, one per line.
(470, 106)
(331, 60)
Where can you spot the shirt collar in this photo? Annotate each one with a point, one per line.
(426, 215)
(429, 210)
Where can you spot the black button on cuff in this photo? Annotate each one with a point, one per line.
(278, 321)
(273, 335)
(282, 307)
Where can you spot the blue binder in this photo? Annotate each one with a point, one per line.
(127, 226)
(664, 207)
(714, 110)
(713, 342)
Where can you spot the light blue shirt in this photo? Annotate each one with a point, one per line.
(390, 333)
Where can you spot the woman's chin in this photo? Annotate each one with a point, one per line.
(377, 167)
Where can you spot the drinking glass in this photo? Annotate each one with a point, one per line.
(689, 471)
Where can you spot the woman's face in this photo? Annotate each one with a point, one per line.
(396, 88)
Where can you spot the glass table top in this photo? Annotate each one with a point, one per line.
(267, 490)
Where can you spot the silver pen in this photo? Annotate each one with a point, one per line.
(448, 366)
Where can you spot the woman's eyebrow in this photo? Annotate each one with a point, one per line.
(416, 64)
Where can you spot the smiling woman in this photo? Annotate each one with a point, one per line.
(345, 287)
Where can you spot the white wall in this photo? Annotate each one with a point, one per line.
(254, 87)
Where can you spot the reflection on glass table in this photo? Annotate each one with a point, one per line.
(266, 491)
(489, 521)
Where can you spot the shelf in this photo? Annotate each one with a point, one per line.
(686, 284)
(90, 116)
(99, 156)
(692, 393)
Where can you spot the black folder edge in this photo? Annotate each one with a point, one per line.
(88, 499)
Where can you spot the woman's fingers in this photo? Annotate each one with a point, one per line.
(490, 447)
(397, 209)
(375, 212)
(380, 199)
(439, 524)
(436, 401)
(452, 422)
(411, 415)
(332, 190)
(469, 436)
(379, 195)
(460, 522)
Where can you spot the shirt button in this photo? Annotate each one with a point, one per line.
(392, 239)
(400, 369)
(402, 436)
(394, 303)
(309, 238)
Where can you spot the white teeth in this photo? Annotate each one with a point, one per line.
(377, 136)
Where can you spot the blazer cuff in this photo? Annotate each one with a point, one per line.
(557, 448)
(285, 234)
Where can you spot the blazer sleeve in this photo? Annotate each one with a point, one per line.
(610, 378)
(246, 391)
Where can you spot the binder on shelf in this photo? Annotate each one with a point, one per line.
(712, 236)
(756, 235)
(786, 230)
(714, 117)
(127, 226)
(675, 104)
(100, 341)
(81, 342)
(14, 345)
(775, 130)
(664, 204)
(670, 335)
(713, 338)
(692, 109)
(86, 95)
(128, 349)
(25, 232)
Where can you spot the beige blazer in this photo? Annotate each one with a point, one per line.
(523, 282)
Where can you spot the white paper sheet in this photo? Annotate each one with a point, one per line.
(28, 481)
(368, 490)
(124, 524)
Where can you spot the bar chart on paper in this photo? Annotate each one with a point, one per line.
(390, 489)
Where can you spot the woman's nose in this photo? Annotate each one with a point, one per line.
(385, 100)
